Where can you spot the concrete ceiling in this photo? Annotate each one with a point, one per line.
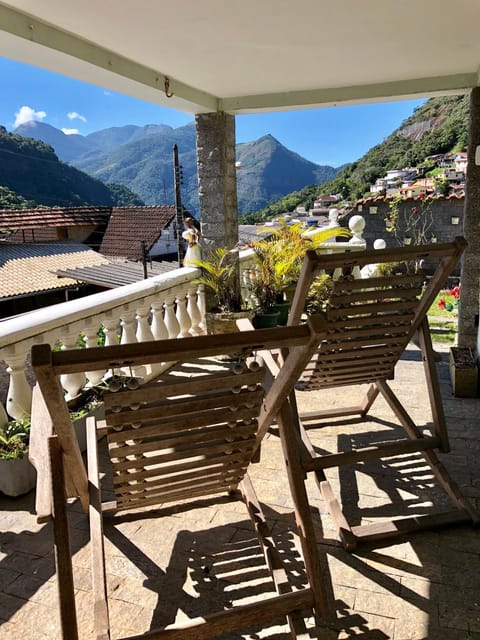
(251, 55)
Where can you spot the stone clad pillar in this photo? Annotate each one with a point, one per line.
(217, 185)
(468, 329)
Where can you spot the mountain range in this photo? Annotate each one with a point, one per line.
(438, 126)
(141, 158)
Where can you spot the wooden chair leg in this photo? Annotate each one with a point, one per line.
(296, 476)
(99, 583)
(63, 558)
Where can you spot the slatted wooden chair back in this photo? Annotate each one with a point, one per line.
(370, 321)
(369, 325)
(181, 438)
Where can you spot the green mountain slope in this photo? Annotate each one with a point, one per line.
(440, 125)
(270, 170)
(66, 147)
(30, 169)
(142, 159)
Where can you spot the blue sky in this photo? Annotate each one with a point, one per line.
(332, 136)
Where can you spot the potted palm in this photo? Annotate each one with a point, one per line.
(279, 260)
(221, 280)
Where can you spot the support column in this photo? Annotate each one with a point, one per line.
(217, 185)
(468, 329)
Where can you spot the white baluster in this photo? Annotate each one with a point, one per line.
(194, 312)
(71, 382)
(182, 316)
(19, 395)
(128, 327)
(129, 336)
(171, 321)
(158, 327)
(202, 308)
(91, 338)
(111, 327)
(144, 333)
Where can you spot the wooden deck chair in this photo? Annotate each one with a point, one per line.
(369, 324)
(174, 440)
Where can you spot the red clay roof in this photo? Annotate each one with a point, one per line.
(18, 219)
(129, 226)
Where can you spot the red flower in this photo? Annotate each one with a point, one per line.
(455, 292)
(442, 303)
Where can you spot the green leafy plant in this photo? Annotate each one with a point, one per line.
(279, 260)
(220, 277)
(14, 438)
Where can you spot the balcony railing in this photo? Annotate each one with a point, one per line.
(166, 306)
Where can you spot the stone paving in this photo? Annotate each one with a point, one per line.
(191, 561)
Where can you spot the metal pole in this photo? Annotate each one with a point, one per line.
(177, 173)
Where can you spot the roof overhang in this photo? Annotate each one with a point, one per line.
(250, 56)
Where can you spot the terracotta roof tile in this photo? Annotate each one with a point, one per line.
(129, 226)
(30, 268)
(13, 219)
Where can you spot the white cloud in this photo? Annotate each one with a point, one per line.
(69, 132)
(73, 114)
(26, 114)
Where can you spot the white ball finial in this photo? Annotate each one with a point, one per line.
(379, 244)
(356, 225)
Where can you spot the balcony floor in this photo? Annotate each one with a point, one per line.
(426, 587)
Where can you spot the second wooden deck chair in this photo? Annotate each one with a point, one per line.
(175, 440)
(369, 325)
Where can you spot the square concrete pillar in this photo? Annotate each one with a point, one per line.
(468, 326)
(217, 184)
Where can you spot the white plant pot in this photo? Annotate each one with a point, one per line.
(17, 476)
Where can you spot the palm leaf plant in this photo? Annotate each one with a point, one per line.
(220, 277)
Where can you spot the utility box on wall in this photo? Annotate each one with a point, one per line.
(463, 372)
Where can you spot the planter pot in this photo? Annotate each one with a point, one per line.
(17, 476)
(463, 372)
(283, 309)
(266, 320)
(225, 322)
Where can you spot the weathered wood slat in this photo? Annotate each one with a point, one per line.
(186, 440)
(173, 386)
(366, 309)
(129, 485)
(243, 616)
(194, 452)
(373, 296)
(221, 417)
(384, 450)
(181, 407)
(186, 465)
(382, 282)
(174, 496)
(386, 320)
(186, 349)
(401, 526)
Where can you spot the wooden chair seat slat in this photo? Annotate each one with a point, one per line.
(214, 460)
(186, 440)
(179, 385)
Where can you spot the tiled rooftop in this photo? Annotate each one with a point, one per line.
(129, 226)
(18, 219)
(30, 268)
